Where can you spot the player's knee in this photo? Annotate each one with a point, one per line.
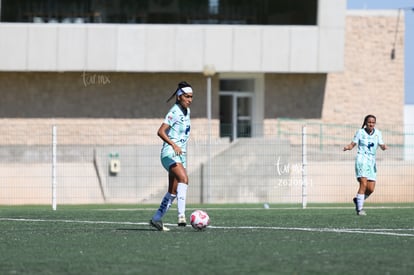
(183, 179)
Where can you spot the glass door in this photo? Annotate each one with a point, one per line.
(244, 115)
(226, 115)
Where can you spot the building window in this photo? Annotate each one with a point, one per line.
(242, 12)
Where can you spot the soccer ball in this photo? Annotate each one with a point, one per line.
(199, 219)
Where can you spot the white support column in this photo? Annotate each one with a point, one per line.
(304, 169)
(209, 72)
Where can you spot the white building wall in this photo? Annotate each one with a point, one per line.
(72, 50)
(177, 48)
(304, 49)
(331, 24)
(13, 47)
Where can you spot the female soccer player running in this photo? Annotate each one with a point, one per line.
(175, 132)
(368, 139)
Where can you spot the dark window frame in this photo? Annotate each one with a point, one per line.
(240, 12)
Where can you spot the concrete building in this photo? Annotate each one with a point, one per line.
(115, 70)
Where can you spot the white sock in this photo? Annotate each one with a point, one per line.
(360, 201)
(164, 206)
(181, 196)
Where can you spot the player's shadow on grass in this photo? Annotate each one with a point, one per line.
(135, 229)
(153, 230)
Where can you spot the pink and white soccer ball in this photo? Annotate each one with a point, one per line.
(199, 219)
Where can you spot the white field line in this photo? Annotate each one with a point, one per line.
(374, 231)
(333, 230)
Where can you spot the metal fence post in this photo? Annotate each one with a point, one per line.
(304, 168)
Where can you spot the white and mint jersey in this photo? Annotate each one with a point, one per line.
(179, 131)
(368, 143)
(365, 164)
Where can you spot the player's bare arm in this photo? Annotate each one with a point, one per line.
(349, 146)
(383, 147)
(162, 133)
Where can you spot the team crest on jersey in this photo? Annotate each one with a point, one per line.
(370, 144)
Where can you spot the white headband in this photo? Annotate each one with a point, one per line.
(185, 90)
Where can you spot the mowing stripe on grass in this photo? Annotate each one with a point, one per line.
(374, 231)
(262, 208)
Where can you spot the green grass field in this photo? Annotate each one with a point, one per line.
(242, 239)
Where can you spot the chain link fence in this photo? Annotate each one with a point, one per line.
(112, 161)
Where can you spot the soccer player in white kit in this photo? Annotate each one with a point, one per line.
(368, 139)
(175, 132)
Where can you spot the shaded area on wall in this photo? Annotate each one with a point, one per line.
(294, 95)
(93, 94)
